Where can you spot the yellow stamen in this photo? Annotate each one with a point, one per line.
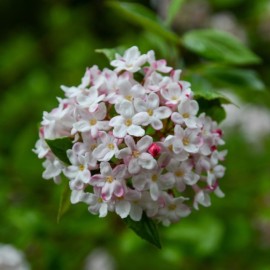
(150, 112)
(186, 141)
(135, 153)
(128, 122)
(179, 173)
(81, 167)
(172, 207)
(99, 200)
(92, 122)
(154, 178)
(109, 179)
(186, 115)
(110, 146)
(129, 98)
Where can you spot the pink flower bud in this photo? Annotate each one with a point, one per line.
(154, 149)
(218, 131)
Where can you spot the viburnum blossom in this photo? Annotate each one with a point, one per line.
(136, 146)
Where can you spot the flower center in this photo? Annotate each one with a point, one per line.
(81, 167)
(154, 178)
(92, 122)
(186, 115)
(99, 200)
(170, 147)
(179, 173)
(110, 146)
(150, 112)
(109, 179)
(128, 122)
(93, 146)
(135, 153)
(186, 141)
(129, 98)
(174, 98)
(172, 207)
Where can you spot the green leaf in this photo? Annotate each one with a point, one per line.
(202, 88)
(140, 15)
(110, 53)
(212, 108)
(64, 202)
(59, 147)
(173, 8)
(146, 228)
(234, 77)
(219, 46)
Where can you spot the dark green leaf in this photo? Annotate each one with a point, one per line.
(212, 108)
(59, 147)
(219, 46)
(144, 17)
(146, 228)
(64, 202)
(234, 77)
(173, 8)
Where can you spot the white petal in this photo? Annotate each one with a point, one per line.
(153, 100)
(105, 168)
(135, 131)
(122, 208)
(162, 112)
(154, 191)
(144, 143)
(133, 166)
(136, 212)
(82, 126)
(156, 123)
(103, 210)
(141, 118)
(146, 161)
(120, 131)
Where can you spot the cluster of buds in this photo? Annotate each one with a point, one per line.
(139, 145)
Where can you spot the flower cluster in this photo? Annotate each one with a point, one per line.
(139, 144)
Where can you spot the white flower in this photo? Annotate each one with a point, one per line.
(132, 60)
(128, 122)
(136, 156)
(93, 122)
(187, 111)
(53, 169)
(202, 197)
(150, 104)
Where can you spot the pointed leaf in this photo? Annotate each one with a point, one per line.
(219, 46)
(144, 17)
(64, 202)
(146, 228)
(173, 9)
(59, 147)
(110, 53)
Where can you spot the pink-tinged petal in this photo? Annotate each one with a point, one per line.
(140, 105)
(76, 196)
(191, 122)
(139, 182)
(167, 181)
(146, 161)
(94, 131)
(191, 148)
(154, 191)
(107, 191)
(133, 166)
(118, 189)
(101, 111)
(144, 143)
(123, 153)
(191, 178)
(156, 123)
(153, 100)
(117, 120)
(162, 112)
(184, 210)
(141, 118)
(97, 180)
(180, 185)
(119, 171)
(103, 210)
(82, 126)
(177, 118)
(136, 131)
(178, 131)
(122, 208)
(194, 107)
(130, 142)
(136, 212)
(105, 169)
(76, 184)
(120, 131)
(100, 152)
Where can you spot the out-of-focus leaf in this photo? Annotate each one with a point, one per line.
(202, 88)
(144, 17)
(234, 77)
(146, 228)
(59, 147)
(110, 53)
(173, 8)
(64, 202)
(219, 46)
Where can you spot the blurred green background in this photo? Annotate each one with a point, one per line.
(48, 43)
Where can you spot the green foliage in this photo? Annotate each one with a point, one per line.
(145, 228)
(59, 147)
(173, 9)
(219, 46)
